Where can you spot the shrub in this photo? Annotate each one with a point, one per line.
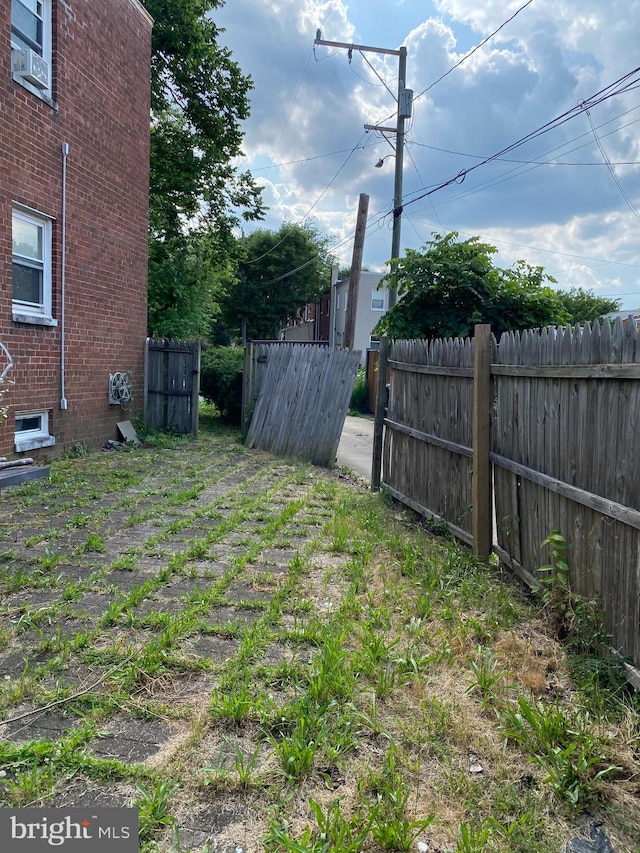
(360, 395)
(221, 380)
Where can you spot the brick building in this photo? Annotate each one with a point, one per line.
(74, 176)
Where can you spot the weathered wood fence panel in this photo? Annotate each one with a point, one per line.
(172, 384)
(564, 453)
(427, 447)
(302, 401)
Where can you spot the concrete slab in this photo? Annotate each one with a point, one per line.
(356, 445)
(17, 476)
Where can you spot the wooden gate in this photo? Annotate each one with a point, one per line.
(172, 384)
(303, 394)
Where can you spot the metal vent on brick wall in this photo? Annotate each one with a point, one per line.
(29, 65)
(120, 391)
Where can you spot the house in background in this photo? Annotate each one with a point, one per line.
(372, 304)
(325, 320)
(74, 177)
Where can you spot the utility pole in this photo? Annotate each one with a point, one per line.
(354, 276)
(404, 111)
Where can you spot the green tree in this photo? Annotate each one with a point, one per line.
(282, 271)
(584, 306)
(452, 285)
(199, 97)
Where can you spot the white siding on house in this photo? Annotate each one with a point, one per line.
(366, 316)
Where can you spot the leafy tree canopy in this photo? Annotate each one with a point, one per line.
(199, 97)
(281, 271)
(584, 306)
(452, 285)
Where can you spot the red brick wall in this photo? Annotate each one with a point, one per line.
(101, 55)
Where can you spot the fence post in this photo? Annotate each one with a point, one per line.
(247, 388)
(378, 424)
(482, 496)
(145, 411)
(195, 389)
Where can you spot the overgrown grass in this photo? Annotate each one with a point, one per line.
(368, 687)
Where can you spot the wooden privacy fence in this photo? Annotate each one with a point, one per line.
(302, 400)
(552, 418)
(172, 384)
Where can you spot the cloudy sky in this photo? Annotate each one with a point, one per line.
(567, 199)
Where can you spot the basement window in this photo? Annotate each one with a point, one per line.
(32, 431)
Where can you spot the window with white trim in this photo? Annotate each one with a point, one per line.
(377, 300)
(31, 33)
(374, 342)
(31, 255)
(32, 431)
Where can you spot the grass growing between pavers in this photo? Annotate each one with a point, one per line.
(262, 655)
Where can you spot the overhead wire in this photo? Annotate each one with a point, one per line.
(595, 99)
(473, 50)
(599, 97)
(307, 159)
(609, 166)
(466, 56)
(518, 170)
(318, 199)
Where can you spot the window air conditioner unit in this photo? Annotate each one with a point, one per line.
(31, 67)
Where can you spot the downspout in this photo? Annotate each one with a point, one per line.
(63, 228)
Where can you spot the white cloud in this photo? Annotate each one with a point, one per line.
(308, 104)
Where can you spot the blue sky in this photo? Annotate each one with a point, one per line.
(568, 200)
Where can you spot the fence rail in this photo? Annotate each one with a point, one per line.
(561, 414)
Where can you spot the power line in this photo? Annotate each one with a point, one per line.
(598, 98)
(466, 56)
(518, 170)
(473, 50)
(302, 218)
(609, 166)
(549, 251)
(307, 159)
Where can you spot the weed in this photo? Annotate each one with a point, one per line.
(236, 704)
(472, 838)
(371, 721)
(77, 521)
(487, 675)
(339, 531)
(94, 542)
(391, 826)
(563, 744)
(153, 805)
(176, 842)
(244, 764)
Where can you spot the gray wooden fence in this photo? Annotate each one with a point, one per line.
(302, 400)
(564, 417)
(172, 382)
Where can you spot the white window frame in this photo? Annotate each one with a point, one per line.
(374, 342)
(47, 51)
(32, 312)
(378, 295)
(32, 439)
